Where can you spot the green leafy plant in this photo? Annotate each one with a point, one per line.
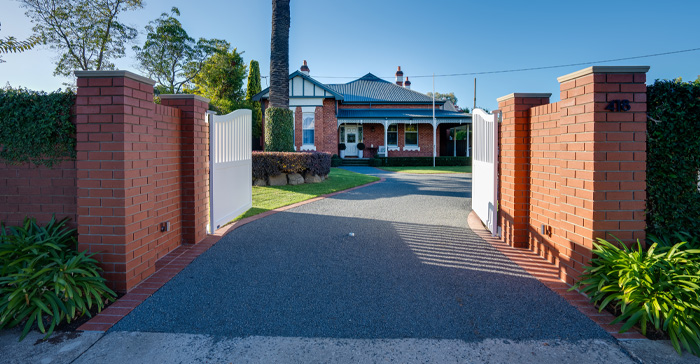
(693, 242)
(659, 286)
(43, 279)
(279, 127)
(36, 127)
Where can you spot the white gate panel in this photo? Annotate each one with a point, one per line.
(230, 166)
(485, 168)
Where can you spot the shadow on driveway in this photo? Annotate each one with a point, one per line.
(413, 269)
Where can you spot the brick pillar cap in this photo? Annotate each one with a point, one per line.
(603, 69)
(523, 95)
(106, 74)
(183, 97)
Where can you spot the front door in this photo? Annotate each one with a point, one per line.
(351, 142)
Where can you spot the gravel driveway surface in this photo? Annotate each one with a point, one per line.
(413, 269)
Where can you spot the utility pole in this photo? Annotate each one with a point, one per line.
(434, 124)
(474, 95)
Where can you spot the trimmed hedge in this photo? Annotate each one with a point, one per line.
(673, 158)
(419, 161)
(336, 161)
(267, 164)
(279, 126)
(36, 127)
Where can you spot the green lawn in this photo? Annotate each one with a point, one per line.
(269, 198)
(429, 170)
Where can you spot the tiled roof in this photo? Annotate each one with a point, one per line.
(370, 88)
(399, 113)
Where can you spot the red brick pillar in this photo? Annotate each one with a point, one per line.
(113, 111)
(603, 156)
(194, 165)
(514, 165)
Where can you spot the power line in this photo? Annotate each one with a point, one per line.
(534, 68)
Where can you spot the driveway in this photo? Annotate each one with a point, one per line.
(412, 270)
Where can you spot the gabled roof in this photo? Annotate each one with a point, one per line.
(370, 88)
(335, 94)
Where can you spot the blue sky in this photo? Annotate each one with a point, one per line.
(350, 38)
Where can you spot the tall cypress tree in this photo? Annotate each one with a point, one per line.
(254, 87)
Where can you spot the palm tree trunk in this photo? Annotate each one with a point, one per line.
(279, 54)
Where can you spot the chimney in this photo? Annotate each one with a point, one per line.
(407, 84)
(305, 69)
(399, 77)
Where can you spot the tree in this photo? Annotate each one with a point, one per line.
(254, 87)
(279, 126)
(445, 97)
(86, 33)
(170, 56)
(13, 45)
(221, 80)
(279, 54)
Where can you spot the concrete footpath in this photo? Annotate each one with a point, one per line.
(141, 347)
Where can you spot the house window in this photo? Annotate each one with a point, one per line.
(411, 134)
(342, 134)
(392, 135)
(308, 128)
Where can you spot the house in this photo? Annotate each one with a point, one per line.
(371, 111)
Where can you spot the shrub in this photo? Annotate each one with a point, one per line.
(420, 161)
(659, 287)
(673, 161)
(36, 127)
(342, 146)
(361, 146)
(43, 277)
(267, 164)
(279, 128)
(336, 161)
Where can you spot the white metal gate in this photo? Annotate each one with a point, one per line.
(485, 168)
(230, 166)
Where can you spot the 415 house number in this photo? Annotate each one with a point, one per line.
(618, 105)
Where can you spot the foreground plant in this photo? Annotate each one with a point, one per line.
(43, 279)
(658, 286)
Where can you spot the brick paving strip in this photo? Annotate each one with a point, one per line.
(548, 274)
(173, 263)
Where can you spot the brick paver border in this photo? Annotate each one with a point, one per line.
(173, 263)
(548, 274)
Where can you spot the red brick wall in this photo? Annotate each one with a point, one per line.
(575, 167)
(425, 142)
(194, 149)
(139, 165)
(39, 192)
(514, 160)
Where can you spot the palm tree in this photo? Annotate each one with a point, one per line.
(279, 123)
(279, 55)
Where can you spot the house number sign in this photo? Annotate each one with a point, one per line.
(618, 105)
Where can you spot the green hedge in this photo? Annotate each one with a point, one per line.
(279, 126)
(673, 158)
(267, 164)
(36, 127)
(336, 161)
(419, 161)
